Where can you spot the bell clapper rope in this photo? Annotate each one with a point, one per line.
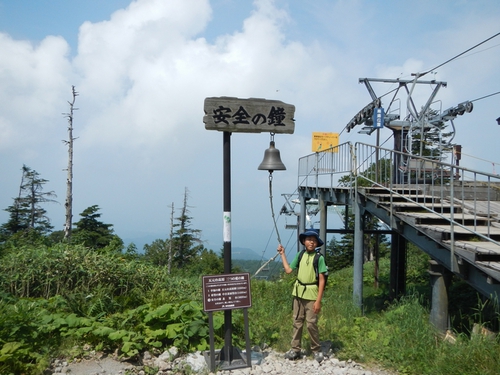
(271, 162)
(274, 221)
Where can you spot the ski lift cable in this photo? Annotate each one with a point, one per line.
(418, 75)
(289, 239)
(460, 54)
(339, 214)
(475, 157)
(267, 245)
(483, 50)
(275, 265)
(484, 97)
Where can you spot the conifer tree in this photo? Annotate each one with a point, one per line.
(430, 140)
(26, 213)
(184, 248)
(186, 240)
(93, 233)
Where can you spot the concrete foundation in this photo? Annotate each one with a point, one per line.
(440, 280)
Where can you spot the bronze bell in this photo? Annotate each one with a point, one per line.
(272, 160)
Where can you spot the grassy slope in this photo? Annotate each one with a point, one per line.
(72, 288)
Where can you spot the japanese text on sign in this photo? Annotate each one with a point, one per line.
(248, 115)
(226, 292)
(378, 118)
(325, 141)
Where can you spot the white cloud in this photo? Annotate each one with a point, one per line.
(32, 79)
(144, 71)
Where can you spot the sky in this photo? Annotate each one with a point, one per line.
(143, 68)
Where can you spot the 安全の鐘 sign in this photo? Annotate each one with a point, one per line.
(248, 115)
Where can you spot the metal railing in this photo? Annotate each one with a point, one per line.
(326, 168)
(461, 191)
(456, 192)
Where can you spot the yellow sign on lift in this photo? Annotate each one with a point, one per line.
(325, 141)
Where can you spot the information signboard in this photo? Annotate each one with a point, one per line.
(325, 141)
(248, 115)
(226, 292)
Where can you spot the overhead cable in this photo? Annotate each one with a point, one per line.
(484, 97)
(460, 54)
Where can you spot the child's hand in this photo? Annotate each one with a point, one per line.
(280, 249)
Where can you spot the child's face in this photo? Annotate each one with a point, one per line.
(311, 243)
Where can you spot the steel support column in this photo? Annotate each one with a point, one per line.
(358, 254)
(322, 222)
(302, 220)
(397, 285)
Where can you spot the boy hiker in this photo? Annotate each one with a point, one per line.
(307, 293)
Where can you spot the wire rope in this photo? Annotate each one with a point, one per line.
(267, 244)
(484, 97)
(460, 54)
(419, 75)
(477, 158)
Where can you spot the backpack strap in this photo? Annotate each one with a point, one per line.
(316, 265)
(301, 254)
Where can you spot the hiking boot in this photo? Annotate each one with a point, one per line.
(292, 355)
(318, 356)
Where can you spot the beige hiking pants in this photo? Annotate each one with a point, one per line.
(303, 311)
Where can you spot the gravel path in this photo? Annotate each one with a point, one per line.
(266, 362)
(274, 363)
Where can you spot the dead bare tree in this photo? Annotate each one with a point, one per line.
(69, 180)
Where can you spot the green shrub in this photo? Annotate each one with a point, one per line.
(54, 300)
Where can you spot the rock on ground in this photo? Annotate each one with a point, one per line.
(266, 362)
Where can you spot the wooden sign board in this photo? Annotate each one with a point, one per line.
(248, 115)
(325, 141)
(226, 292)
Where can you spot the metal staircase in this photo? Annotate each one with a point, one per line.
(450, 212)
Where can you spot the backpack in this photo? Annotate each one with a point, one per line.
(315, 265)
